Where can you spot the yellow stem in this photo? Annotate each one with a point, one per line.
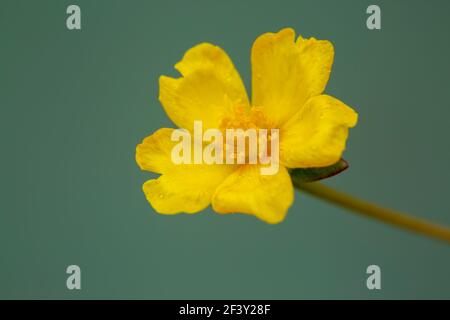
(373, 211)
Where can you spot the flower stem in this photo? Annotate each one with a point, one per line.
(373, 211)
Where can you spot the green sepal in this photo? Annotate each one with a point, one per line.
(315, 174)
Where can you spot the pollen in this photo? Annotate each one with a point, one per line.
(245, 118)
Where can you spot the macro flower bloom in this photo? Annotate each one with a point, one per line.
(288, 80)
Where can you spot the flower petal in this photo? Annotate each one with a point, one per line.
(181, 187)
(285, 73)
(209, 89)
(316, 135)
(187, 188)
(268, 197)
(153, 154)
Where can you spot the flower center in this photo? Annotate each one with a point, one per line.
(243, 118)
(249, 135)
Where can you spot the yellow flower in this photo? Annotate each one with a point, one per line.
(288, 80)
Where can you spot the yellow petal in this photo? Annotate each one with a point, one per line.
(316, 135)
(181, 187)
(285, 73)
(153, 154)
(187, 188)
(209, 89)
(268, 197)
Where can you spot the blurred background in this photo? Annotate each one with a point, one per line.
(74, 105)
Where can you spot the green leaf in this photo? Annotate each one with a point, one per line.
(314, 174)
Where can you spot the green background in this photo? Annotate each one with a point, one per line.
(74, 104)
